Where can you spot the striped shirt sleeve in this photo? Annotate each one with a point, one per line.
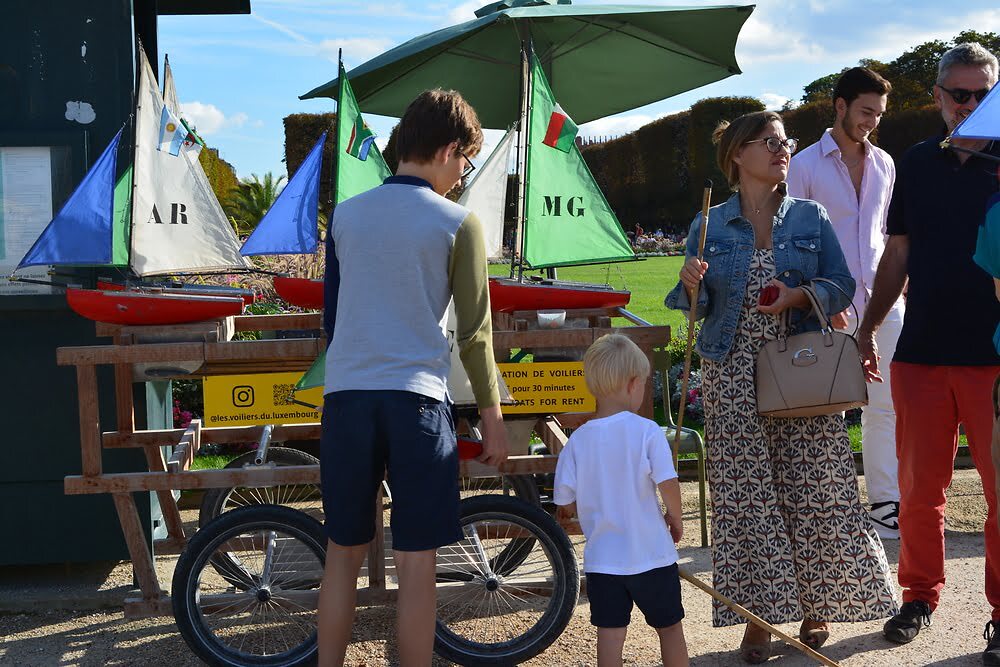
(469, 280)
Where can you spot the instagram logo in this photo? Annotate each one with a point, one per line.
(243, 396)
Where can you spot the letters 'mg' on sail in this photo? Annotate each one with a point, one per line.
(567, 220)
(355, 174)
(289, 226)
(178, 225)
(91, 229)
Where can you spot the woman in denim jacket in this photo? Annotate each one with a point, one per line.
(791, 540)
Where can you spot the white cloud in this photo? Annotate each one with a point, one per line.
(616, 126)
(466, 11)
(773, 101)
(358, 50)
(762, 40)
(209, 119)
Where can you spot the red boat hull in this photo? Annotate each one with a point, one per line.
(301, 292)
(207, 290)
(508, 295)
(133, 308)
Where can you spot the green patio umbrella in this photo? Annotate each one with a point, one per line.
(599, 59)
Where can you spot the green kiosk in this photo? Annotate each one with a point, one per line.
(67, 77)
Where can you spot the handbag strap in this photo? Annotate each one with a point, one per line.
(857, 315)
(784, 325)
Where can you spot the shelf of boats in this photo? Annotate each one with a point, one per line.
(506, 294)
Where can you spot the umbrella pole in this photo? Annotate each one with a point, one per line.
(755, 619)
(706, 203)
(517, 246)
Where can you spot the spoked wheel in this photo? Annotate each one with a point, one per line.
(304, 497)
(497, 604)
(276, 555)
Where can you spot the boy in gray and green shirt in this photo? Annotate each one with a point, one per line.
(396, 255)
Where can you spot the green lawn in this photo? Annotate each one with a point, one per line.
(649, 281)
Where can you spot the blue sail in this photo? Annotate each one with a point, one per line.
(82, 231)
(289, 226)
(984, 122)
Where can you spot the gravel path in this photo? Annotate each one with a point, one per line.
(47, 637)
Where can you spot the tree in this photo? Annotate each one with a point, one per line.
(252, 199)
(821, 90)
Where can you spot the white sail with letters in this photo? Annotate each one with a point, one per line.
(178, 226)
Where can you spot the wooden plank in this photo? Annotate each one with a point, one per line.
(209, 329)
(170, 546)
(571, 313)
(263, 350)
(297, 322)
(191, 479)
(142, 559)
(659, 335)
(142, 608)
(514, 465)
(187, 449)
(245, 368)
(124, 405)
(168, 505)
(571, 419)
(90, 426)
(128, 354)
(551, 433)
(216, 435)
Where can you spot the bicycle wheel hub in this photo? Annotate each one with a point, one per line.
(263, 594)
(492, 584)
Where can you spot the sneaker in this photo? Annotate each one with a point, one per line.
(885, 518)
(991, 656)
(904, 626)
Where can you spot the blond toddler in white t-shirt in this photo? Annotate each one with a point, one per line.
(608, 475)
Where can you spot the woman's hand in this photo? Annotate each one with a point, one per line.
(692, 272)
(788, 297)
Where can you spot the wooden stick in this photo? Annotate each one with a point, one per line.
(706, 203)
(756, 620)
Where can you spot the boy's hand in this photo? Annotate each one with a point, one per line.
(495, 446)
(676, 528)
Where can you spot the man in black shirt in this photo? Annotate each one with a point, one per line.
(945, 363)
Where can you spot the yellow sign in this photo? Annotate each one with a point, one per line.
(547, 387)
(262, 398)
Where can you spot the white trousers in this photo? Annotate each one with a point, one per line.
(878, 418)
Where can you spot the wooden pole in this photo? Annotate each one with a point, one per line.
(756, 620)
(706, 203)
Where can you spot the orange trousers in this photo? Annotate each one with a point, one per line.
(931, 401)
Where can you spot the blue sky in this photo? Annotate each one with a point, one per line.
(238, 76)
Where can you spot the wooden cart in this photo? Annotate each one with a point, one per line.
(211, 354)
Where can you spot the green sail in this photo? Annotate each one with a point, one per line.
(354, 175)
(122, 213)
(567, 220)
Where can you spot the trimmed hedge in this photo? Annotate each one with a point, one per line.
(221, 175)
(302, 130)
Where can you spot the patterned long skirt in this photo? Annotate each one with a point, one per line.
(790, 537)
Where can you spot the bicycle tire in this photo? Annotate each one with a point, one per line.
(295, 554)
(452, 640)
(217, 501)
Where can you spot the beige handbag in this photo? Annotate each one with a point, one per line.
(810, 374)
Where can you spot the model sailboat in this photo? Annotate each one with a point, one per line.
(160, 218)
(290, 225)
(564, 219)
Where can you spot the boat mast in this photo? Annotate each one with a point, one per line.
(517, 247)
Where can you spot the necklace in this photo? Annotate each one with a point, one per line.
(852, 165)
(756, 209)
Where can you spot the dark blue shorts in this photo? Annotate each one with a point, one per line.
(406, 437)
(657, 593)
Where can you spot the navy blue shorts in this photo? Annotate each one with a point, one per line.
(406, 437)
(657, 593)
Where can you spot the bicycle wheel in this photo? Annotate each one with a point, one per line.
(277, 554)
(490, 613)
(304, 497)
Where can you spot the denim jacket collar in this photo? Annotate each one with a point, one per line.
(732, 212)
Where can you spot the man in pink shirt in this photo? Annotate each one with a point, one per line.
(853, 180)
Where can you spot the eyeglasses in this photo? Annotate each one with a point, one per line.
(774, 144)
(469, 167)
(961, 95)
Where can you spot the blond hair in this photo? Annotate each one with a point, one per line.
(611, 362)
(731, 137)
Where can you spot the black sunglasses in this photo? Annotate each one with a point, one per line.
(961, 95)
(469, 167)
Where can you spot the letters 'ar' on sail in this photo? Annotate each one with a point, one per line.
(289, 226)
(91, 229)
(567, 220)
(359, 163)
